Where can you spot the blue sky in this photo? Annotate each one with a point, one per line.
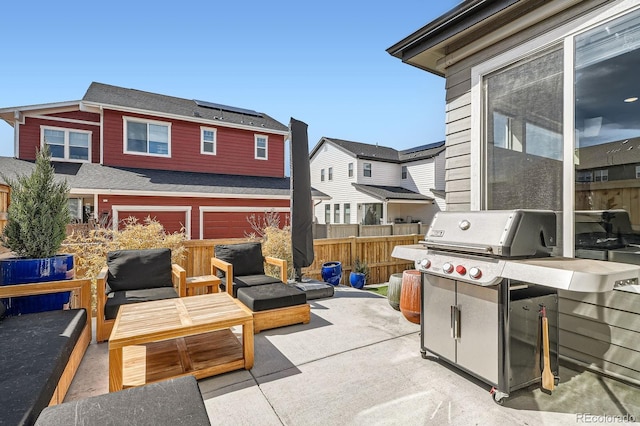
(324, 63)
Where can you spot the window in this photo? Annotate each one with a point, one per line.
(336, 213)
(327, 213)
(366, 169)
(330, 173)
(262, 147)
(563, 104)
(322, 175)
(350, 167)
(588, 176)
(601, 175)
(347, 213)
(65, 144)
(372, 213)
(207, 141)
(147, 137)
(404, 172)
(523, 148)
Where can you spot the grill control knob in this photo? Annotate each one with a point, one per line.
(447, 268)
(425, 263)
(475, 273)
(461, 270)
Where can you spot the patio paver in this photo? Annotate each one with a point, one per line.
(358, 362)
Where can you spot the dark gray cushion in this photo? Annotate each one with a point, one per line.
(35, 351)
(248, 281)
(271, 296)
(117, 298)
(171, 402)
(315, 289)
(246, 258)
(138, 269)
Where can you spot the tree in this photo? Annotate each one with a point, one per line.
(39, 211)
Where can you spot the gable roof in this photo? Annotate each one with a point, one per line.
(120, 97)
(470, 23)
(388, 193)
(376, 152)
(97, 177)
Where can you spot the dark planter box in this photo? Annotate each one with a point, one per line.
(24, 271)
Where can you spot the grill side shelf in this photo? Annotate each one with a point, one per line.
(583, 275)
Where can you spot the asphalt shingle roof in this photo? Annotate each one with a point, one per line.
(382, 153)
(131, 98)
(390, 192)
(95, 176)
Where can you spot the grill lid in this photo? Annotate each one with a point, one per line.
(500, 233)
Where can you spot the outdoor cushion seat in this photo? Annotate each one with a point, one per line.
(275, 305)
(118, 298)
(134, 276)
(171, 402)
(36, 351)
(271, 296)
(316, 289)
(248, 281)
(245, 263)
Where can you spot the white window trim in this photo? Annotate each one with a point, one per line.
(364, 169)
(266, 147)
(125, 119)
(565, 35)
(116, 209)
(202, 141)
(66, 131)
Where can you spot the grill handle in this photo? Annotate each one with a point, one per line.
(455, 322)
(468, 248)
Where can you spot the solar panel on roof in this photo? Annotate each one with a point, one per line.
(227, 108)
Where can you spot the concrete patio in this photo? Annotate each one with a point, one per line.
(358, 362)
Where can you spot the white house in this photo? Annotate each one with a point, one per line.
(372, 184)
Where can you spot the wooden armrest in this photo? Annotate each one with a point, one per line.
(227, 268)
(280, 263)
(101, 289)
(82, 287)
(206, 283)
(179, 279)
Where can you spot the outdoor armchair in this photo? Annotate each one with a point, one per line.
(133, 276)
(243, 266)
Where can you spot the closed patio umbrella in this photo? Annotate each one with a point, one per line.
(301, 204)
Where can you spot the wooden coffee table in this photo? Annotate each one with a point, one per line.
(157, 340)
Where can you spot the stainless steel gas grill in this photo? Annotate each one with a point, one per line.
(488, 278)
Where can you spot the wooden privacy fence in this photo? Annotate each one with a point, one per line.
(353, 230)
(4, 205)
(376, 251)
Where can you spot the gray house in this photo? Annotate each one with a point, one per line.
(543, 112)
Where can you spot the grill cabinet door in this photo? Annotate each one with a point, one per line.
(477, 349)
(439, 294)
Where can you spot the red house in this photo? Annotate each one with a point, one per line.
(186, 162)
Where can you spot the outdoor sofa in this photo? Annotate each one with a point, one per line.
(41, 351)
(172, 402)
(273, 302)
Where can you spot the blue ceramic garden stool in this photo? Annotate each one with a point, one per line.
(332, 272)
